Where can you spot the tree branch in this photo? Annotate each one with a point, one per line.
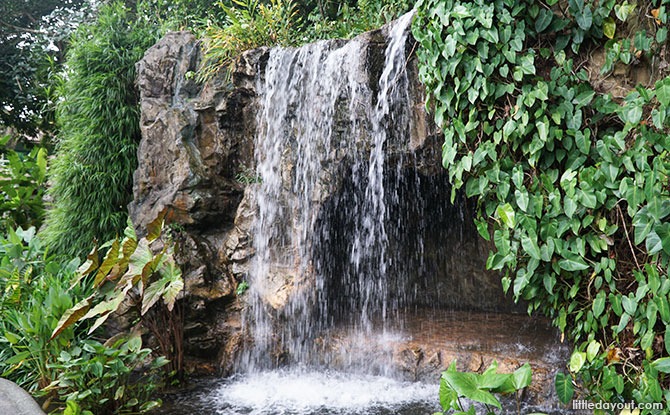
(20, 29)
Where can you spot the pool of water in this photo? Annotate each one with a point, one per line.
(296, 392)
(293, 392)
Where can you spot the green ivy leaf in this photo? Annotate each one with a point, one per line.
(585, 18)
(662, 364)
(577, 361)
(609, 27)
(631, 112)
(573, 263)
(544, 18)
(592, 350)
(506, 214)
(663, 91)
(530, 246)
(522, 377)
(598, 305)
(564, 388)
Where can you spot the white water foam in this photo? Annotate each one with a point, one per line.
(295, 392)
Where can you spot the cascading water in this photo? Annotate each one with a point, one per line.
(314, 174)
(358, 257)
(314, 100)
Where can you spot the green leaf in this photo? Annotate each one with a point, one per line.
(577, 361)
(530, 246)
(592, 350)
(609, 27)
(585, 18)
(653, 243)
(663, 232)
(662, 364)
(631, 112)
(72, 315)
(598, 305)
(506, 214)
(573, 263)
(564, 389)
(544, 18)
(629, 305)
(522, 377)
(569, 206)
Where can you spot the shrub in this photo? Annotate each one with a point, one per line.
(248, 24)
(73, 369)
(98, 116)
(34, 291)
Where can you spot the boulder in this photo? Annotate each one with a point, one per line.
(16, 401)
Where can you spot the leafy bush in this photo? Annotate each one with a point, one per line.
(35, 289)
(100, 378)
(349, 21)
(249, 24)
(477, 387)
(98, 116)
(22, 179)
(572, 185)
(138, 273)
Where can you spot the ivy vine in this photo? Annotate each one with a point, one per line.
(572, 184)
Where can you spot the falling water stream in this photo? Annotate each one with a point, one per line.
(332, 214)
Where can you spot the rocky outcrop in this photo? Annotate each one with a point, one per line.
(16, 401)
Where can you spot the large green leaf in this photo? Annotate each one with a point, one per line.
(529, 245)
(506, 214)
(662, 364)
(564, 389)
(577, 361)
(573, 263)
(72, 315)
(598, 305)
(522, 376)
(663, 91)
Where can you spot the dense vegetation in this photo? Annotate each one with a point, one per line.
(98, 118)
(571, 183)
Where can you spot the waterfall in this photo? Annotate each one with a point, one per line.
(312, 114)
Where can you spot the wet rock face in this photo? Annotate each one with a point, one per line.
(197, 160)
(195, 142)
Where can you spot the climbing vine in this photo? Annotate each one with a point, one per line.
(571, 181)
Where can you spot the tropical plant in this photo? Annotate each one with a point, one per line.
(349, 20)
(34, 290)
(73, 372)
(100, 378)
(98, 116)
(572, 184)
(138, 273)
(480, 387)
(248, 24)
(22, 179)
